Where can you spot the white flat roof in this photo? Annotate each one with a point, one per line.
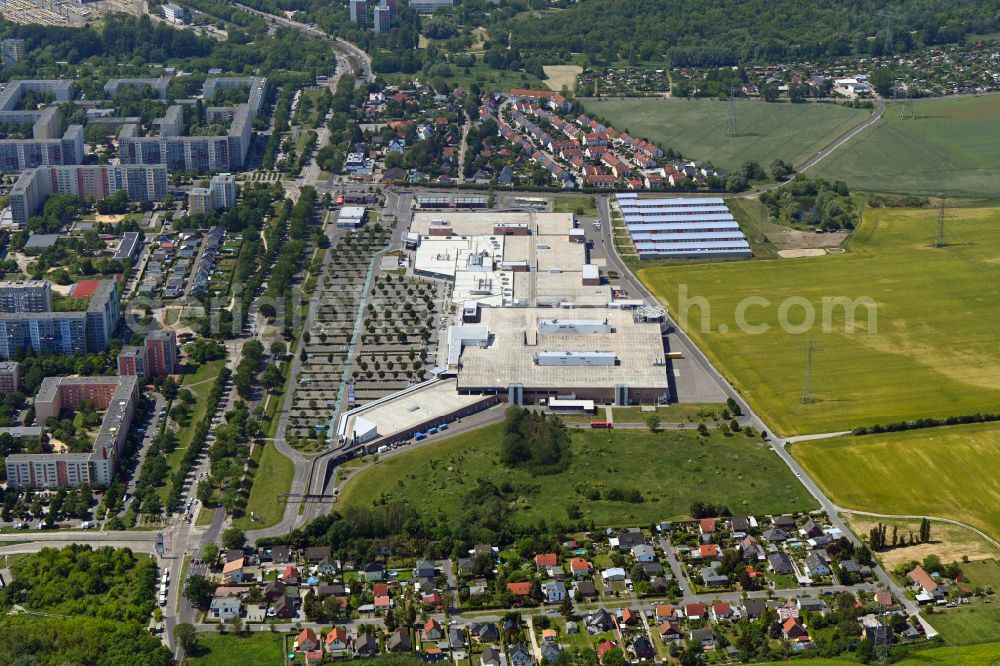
(510, 359)
(410, 409)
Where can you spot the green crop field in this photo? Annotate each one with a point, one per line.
(672, 469)
(698, 127)
(936, 472)
(933, 352)
(951, 147)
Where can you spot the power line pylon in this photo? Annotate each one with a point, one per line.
(809, 348)
(939, 241)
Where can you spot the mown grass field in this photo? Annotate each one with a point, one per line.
(951, 147)
(672, 469)
(944, 472)
(698, 127)
(272, 477)
(229, 650)
(933, 352)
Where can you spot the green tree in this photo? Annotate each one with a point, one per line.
(199, 590)
(233, 538)
(653, 423)
(187, 637)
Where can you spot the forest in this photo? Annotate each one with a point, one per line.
(98, 602)
(729, 32)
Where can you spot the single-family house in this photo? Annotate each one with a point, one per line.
(665, 612)
(543, 560)
(712, 578)
(605, 647)
(709, 551)
(306, 640)
(399, 641)
(554, 591)
(643, 649)
(779, 563)
(694, 611)
(810, 604)
(580, 567)
(810, 529)
(707, 525)
(365, 645)
(550, 651)
(424, 569)
(722, 611)
(670, 632)
(374, 571)
(337, 641)
(613, 574)
(519, 589)
(599, 621)
(232, 572)
(704, 637)
(776, 535)
(519, 655)
(629, 617)
(432, 630)
(585, 588)
(290, 576)
(643, 553)
(456, 638)
(928, 591)
(485, 632)
(816, 565)
(754, 608)
(792, 630)
(491, 656)
(224, 608)
(317, 553)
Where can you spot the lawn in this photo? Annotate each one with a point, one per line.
(698, 127)
(675, 413)
(931, 351)
(200, 383)
(586, 206)
(263, 648)
(951, 147)
(974, 655)
(272, 477)
(967, 625)
(671, 468)
(938, 472)
(952, 542)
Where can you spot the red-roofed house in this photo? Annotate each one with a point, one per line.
(694, 611)
(722, 611)
(380, 589)
(665, 612)
(290, 576)
(670, 632)
(707, 525)
(314, 657)
(306, 640)
(708, 551)
(580, 567)
(629, 617)
(519, 589)
(543, 560)
(383, 603)
(604, 648)
(336, 641)
(432, 599)
(432, 630)
(794, 631)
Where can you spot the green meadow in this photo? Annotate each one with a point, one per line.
(672, 469)
(699, 127)
(951, 147)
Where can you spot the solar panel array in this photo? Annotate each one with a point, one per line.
(682, 228)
